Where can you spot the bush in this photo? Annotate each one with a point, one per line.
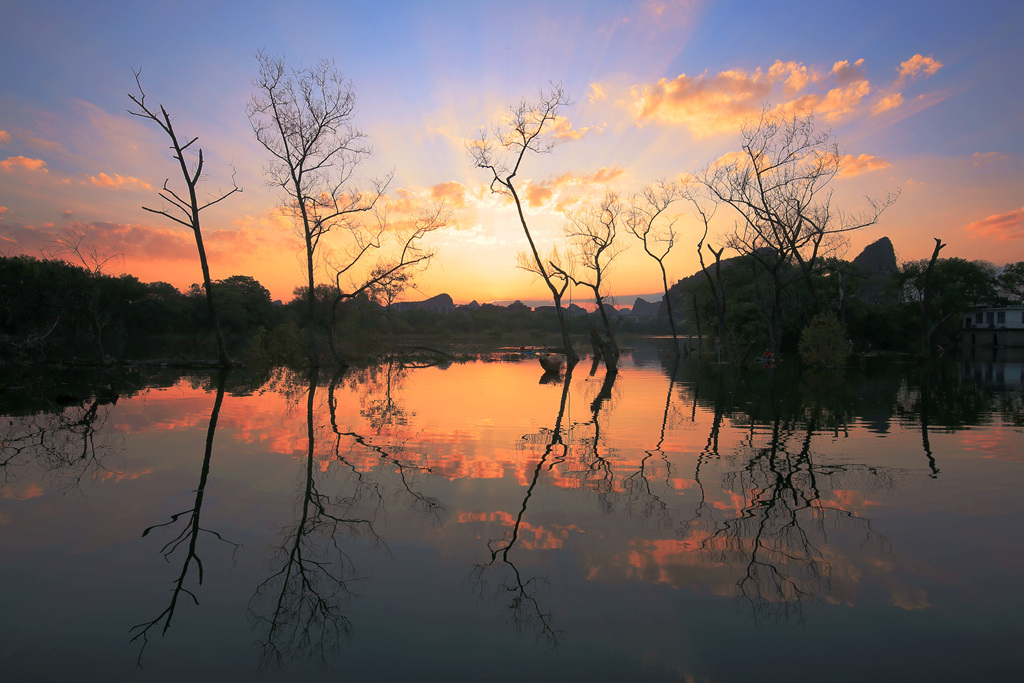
(823, 342)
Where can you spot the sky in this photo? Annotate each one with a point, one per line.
(922, 97)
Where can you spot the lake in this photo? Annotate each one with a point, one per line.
(479, 521)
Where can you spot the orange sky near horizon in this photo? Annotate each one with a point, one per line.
(924, 104)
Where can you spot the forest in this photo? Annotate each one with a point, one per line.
(53, 311)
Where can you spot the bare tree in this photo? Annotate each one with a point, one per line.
(304, 118)
(185, 210)
(73, 244)
(648, 221)
(780, 185)
(502, 152)
(390, 273)
(592, 234)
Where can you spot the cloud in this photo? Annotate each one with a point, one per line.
(847, 73)
(919, 64)
(452, 193)
(988, 157)
(714, 104)
(117, 181)
(10, 164)
(538, 195)
(596, 93)
(707, 105)
(850, 165)
(1003, 226)
(888, 102)
(5, 137)
(561, 129)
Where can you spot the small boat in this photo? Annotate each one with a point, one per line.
(551, 362)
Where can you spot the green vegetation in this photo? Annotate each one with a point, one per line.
(823, 343)
(53, 311)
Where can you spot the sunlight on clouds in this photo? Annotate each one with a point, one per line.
(850, 165)
(12, 164)
(837, 102)
(707, 106)
(847, 73)
(794, 75)
(886, 103)
(1003, 227)
(562, 129)
(919, 64)
(452, 193)
(5, 137)
(538, 195)
(717, 104)
(596, 93)
(986, 157)
(118, 181)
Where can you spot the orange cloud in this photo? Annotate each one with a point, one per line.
(917, 65)
(716, 104)
(452, 193)
(561, 129)
(5, 137)
(538, 195)
(596, 93)
(11, 163)
(850, 165)
(847, 73)
(888, 102)
(706, 105)
(836, 103)
(986, 157)
(117, 181)
(1003, 226)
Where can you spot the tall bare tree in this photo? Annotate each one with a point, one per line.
(304, 119)
(648, 220)
(185, 207)
(502, 152)
(592, 234)
(394, 267)
(780, 185)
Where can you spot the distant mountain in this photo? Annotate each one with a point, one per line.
(442, 303)
(644, 309)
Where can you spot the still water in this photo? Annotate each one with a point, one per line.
(472, 522)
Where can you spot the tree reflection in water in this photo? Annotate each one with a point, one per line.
(187, 537)
(790, 504)
(523, 601)
(69, 442)
(302, 606)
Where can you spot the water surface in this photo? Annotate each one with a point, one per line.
(473, 522)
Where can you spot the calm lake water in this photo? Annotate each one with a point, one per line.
(472, 522)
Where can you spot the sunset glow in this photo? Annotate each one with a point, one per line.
(925, 101)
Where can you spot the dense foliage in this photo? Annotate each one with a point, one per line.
(53, 311)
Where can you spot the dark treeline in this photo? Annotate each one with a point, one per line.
(875, 306)
(53, 311)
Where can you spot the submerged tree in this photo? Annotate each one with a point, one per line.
(780, 185)
(592, 233)
(304, 118)
(391, 273)
(649, 222)
(502, 152)
(186, 209)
